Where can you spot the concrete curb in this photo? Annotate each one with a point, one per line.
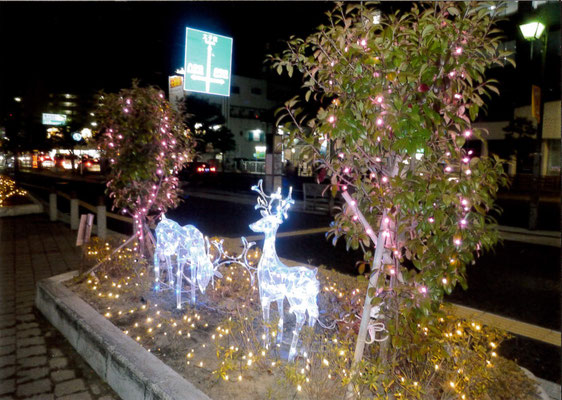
(546, 390)
(131, 371)
(24, 209)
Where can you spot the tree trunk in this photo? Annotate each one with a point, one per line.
(366, 315)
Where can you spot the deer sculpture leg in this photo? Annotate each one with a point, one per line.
(193, 265)
(265, 310)
(179, 280)
(280, 325)
(312, 316)
(300, 316)
(157, 269)
(170, 271)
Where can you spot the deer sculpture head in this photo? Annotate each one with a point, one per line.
(272, 216)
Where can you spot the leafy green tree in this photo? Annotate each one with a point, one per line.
(399, 92)
(146, 144)
(207, 123)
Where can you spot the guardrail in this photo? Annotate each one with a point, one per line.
(99, 210)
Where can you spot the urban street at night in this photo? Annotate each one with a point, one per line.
(280, 200)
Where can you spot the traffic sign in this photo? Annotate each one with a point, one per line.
(208, 60)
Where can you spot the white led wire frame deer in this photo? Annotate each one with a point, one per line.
(187, 246)
(277, 281)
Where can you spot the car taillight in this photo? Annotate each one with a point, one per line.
(88, 164)
(213, 169)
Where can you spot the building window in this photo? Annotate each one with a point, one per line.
(235, 90)
(256, 135)
(255, 90)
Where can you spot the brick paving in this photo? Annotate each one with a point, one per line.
(36, 361)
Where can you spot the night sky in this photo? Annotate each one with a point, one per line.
(83, 46)
(87, 46)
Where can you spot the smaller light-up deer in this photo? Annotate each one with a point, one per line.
(278, 281)
(188, 246)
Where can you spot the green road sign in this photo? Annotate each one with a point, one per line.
(208, 59)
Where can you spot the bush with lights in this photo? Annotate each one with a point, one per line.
(146, 144)
(397, 94)
(8, 189)
(221, 344)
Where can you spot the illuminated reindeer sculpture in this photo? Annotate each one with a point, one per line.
(278, 281)
(188, 246)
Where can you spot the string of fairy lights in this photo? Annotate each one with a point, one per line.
(8, 189)
(198, 332)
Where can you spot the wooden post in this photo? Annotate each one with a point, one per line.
(101, 218)
(53, 206)
(73, 211)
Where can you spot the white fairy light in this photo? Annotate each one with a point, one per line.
(276, 280)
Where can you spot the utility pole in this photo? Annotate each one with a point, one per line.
(537, 155)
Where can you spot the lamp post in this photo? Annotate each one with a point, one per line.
(533, 31)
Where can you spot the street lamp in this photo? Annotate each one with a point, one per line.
(532, 31)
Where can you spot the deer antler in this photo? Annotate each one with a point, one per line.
(285, 204)
(265, 202)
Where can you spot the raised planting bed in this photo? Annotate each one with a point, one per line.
(15, 201)
(145, 347)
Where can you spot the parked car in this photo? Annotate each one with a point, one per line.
(64, 161)
(45, 161)
(90, 164)
(197, 169)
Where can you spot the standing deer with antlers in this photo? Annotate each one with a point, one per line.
(277, 281)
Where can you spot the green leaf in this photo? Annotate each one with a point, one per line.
(453, 11)
(290, 70)
(428, 29)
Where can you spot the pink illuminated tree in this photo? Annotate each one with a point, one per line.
(146, 144)
(397, 95)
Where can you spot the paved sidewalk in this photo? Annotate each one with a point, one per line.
(36, 361)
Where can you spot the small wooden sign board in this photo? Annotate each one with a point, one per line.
(85, 229)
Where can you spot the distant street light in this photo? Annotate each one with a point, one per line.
(534, 31)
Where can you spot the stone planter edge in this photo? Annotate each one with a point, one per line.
(131, 371)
